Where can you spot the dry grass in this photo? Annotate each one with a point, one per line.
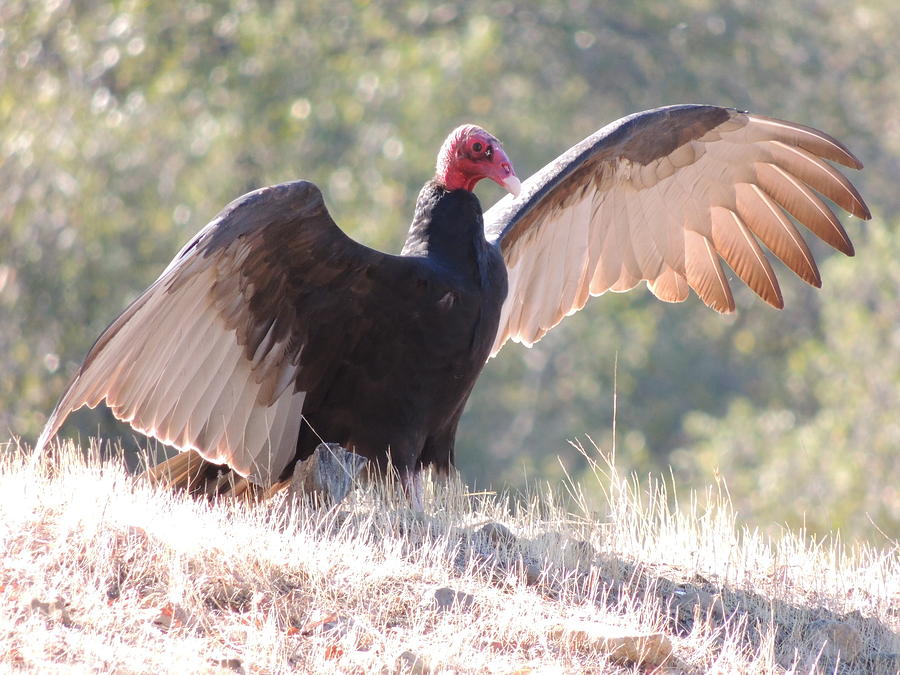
(101, 573)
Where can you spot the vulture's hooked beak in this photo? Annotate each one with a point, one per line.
(502, 173)
(512, 185)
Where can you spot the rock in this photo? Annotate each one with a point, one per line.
(620, 644)
(55, 611)
(446, 598)
(171, 617)
(534, 573)
(412, 663)
(693, 604)
(227, 667)
(496, 534)
(580, 553)
(327, 622)
(328, 474)
(886, 664)
(840, 640)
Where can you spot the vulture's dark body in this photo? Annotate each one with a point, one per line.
(401, 371)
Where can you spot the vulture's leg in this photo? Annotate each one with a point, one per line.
(414, 489)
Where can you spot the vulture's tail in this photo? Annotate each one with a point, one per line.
(188, 471)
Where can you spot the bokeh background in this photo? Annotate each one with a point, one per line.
(126, 125)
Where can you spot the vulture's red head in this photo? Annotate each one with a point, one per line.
(470, 154)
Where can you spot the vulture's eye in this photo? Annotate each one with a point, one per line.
(477, 147)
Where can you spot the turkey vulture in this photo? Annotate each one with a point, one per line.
(272, 331)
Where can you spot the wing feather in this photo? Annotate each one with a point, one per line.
(818, 175)
(672, 191)
(222, 365)
(734, 242)
(280, 443)
(109, 365)
(812, 140)
(609, 258)
(243, 405)
(804, 205)
(630, 273)
(191, 397)
(768, 222)
(670, 285)
(704, 272)
(161, 356)
(576, 250)
(192, 376)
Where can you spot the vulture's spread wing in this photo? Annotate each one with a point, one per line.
(659, 197)
(216, 356)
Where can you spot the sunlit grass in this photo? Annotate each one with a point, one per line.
(101, 572)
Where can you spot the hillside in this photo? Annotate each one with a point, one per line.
(99, 571)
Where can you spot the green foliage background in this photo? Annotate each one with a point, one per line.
(126, 125)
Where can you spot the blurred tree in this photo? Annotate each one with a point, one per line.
(125, 125)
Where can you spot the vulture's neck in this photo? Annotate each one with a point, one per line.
(447, 228)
